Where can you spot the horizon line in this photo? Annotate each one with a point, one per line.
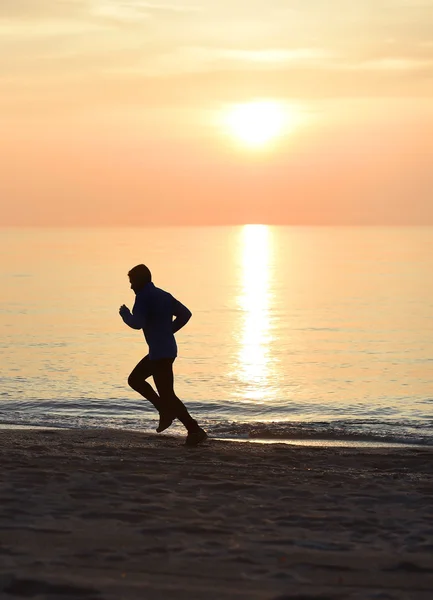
(190, 225)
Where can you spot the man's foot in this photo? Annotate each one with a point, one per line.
(164, 423)
(195, 437)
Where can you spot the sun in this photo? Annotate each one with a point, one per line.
(258, 123)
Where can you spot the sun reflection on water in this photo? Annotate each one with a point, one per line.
(254, 302)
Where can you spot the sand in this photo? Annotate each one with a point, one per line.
(118, 515)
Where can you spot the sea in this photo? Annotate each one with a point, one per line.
(312, 335)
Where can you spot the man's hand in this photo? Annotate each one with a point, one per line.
(124, 311)
(134, 321)
(182, 314)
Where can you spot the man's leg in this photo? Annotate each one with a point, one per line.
(137, 380)
(163, 377)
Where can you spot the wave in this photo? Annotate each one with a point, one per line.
(373, 431)
(368, 431)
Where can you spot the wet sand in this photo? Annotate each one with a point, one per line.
(118, 515)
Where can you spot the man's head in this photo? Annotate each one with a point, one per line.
(139, 276)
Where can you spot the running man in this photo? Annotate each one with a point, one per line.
(153, 312)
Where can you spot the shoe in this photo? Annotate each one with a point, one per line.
(195, 437)
(164, 423)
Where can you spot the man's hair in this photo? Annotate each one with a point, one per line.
(141, 274)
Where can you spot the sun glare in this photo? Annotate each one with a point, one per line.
(254, 302)
(256, 124)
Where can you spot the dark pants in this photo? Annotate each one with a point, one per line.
(165, 401)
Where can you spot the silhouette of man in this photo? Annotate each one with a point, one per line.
(153, 312)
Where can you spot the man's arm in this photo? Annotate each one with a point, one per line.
(182, 314)
(132, 319)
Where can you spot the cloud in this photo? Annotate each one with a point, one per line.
(394, 64)
(161, 7)
(279, 46)
(275, 56)
(286, 61)
(23, 10)
(192, 59)
(132, 12)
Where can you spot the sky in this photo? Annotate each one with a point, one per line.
(114, 112)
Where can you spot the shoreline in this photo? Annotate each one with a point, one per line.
(306, 442)
(108, 514)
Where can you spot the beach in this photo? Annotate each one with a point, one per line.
(105, 514)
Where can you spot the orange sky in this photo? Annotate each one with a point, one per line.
(109, 111)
